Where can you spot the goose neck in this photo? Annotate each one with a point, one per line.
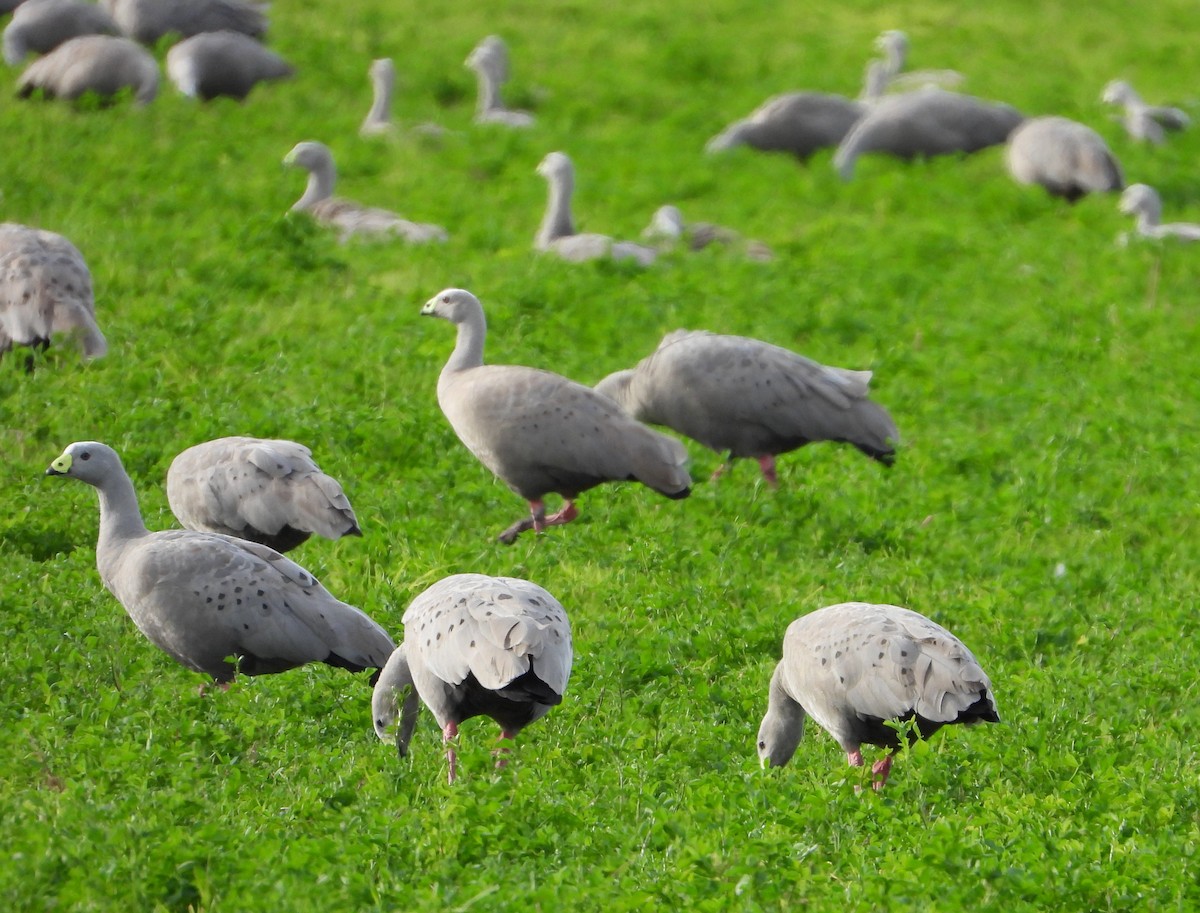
(557, 222)
(319, 187)
(120, 517)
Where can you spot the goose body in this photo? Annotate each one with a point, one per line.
(212, 64)
(216, 604)
(798, 123)
(540, 432)
(1067, 158)
(39, 26)
(476, 646)
(146, 21)
(855, 666)
(103, 65)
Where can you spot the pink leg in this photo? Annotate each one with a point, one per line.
(536, 521)
(502, 752)
(204, 686)
(881, 769)
(450, 732)
(767, 464)
(855, 758)
(568, 513)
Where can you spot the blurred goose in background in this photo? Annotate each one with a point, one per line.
(45, 288)
(854, 667)
(348, 217)
(748, 398)
(268, 491)
(103, 65)
(475, 646)
(213, 64)
(926, 122)
(667, 228)
(1142, 121)
(39, 26)
(213, 603)
(383, 83)
(894, 45)
(557, 232)
(489, 60)
(1067, 158)
(1142, 201)
(798, 123)
(147, 21)
(540, 432)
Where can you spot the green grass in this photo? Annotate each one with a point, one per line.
(1043, 380)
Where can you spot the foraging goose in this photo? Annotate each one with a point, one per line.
(383, 82)
(100, 64)
(476, 646)
(45, 288)
(798, 123)
(204, 598)
(39, 26)
(147, 21)
(1142, 121)
(541, 433)
(267, 491)
(348, 217)
(489, 60)
(557, 232)
(855, 666)
(925, 123)
(667, 228)
(1065, 157)
(894, 45)
(1143, 201)
(212, 64)
(748, 398)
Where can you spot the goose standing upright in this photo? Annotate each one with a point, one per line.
(1142, 201)
(853, 667)
(1142, 121)
(213, 603)
(1067, 158)
(39, 26)
(475, 646)
(540, 432)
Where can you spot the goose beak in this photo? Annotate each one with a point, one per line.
(60, 467)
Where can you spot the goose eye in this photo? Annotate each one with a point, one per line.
(86, 455)
(762, 746)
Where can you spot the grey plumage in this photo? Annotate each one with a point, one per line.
(894, 45)
(927, 122)
(1143, 122)
(349, 217)
(667, 228)
(798, 123)
(1065, 157)
(557, 233)
(269, 491)
(855, 666)
(216, 604)
(45, 288)
(147, 21)
(539, 432)
(213, 64)
(475, 646)
(489, 61)
(748, 398)
(382, 73)
(39, 26)
(1143, 202)
(102, 65)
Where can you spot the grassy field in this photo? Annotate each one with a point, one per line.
(1043, 505)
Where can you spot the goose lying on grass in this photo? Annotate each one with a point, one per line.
(1143, 202)
(1142, 121)
(489, 61)
(667, 228)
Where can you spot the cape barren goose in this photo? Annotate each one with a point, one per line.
(383, 83)
(475, 646)
(749, 398)
(212, 64)
(216, 604)
(1142, 121)
(489, 61)
(541, 433)
(925, 123)
(1065, 157)
(100, 64)
(557, 232)
(894, 45)
(148, 20)
(39, 26)
(667, 228)
(855, 666)
(45, 288)
(264, 490)
(1142, 201)
(798, 123)
(348, 217)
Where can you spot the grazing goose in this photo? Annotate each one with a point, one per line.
(99, 64)
(855, 666)
(1143, 201)
(557, 232)
(476, 646)
(926, 122)
(348, 217)
(489, 60)
(212, 64)
(894, 45)
(541, 433)
(667, 228)
(1142, 121)
(749, 398)
(45, 288)
(383, 82)
(798, 123)
(39, 26)
(267, 491)
(148, 20)
(206, 599)
(1065, 157)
